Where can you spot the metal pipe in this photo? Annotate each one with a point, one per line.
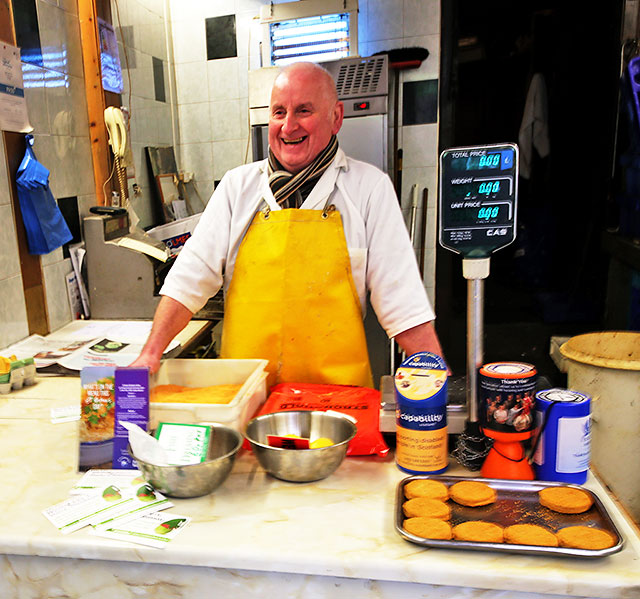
(475, 332)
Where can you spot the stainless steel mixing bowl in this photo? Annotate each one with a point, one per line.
(301, 465)
(195, 480)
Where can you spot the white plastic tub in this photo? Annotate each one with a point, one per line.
(204, 373)
(606, 366)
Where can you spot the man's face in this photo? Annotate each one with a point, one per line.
(303, 116)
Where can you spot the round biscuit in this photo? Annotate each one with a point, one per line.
(426, 487)
(529, 534)
(472, 493)
(428, 528)
(565, 500)
(585, 537)
(425, 507)
(478, 531)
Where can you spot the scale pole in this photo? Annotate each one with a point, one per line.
(475, 271)
(475, 332)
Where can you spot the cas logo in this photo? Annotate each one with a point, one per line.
(496, 232)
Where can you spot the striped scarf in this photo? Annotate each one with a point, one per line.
(291, 190)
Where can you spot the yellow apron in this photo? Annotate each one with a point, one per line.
(292, 300)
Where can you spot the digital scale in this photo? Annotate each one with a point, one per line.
(477, 206)
(477, 199)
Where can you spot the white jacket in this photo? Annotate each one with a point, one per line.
(382, 257)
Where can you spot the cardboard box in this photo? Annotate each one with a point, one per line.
(204, 373)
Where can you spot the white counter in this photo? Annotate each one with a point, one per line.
(258, 536)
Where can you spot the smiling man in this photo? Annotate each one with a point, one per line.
(298, 241)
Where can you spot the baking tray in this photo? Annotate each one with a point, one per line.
(517, 503)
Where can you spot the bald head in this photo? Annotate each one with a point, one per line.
(315, 72)
(303, 115)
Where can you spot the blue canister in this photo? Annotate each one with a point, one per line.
(563, 443)
(421, 414)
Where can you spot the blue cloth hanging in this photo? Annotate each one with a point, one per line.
(43, 221)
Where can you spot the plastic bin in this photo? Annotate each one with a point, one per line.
(175, 234)
(606, 366)
(204, 373)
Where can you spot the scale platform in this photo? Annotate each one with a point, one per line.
(456, 405)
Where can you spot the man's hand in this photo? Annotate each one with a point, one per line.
(146, 361)
(420, 338)
(170, 318)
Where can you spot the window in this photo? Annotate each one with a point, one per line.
(311, 30)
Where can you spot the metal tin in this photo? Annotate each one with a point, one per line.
(516, 503)
(421, 414)
(563, 448)
(506, 391)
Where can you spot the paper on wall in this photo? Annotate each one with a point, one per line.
(13, 105)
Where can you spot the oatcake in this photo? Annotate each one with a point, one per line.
(433, 489)
(585, 537)
(472, 493)
(565, 500)
(429, 508)
(428, 528)
(529, 534)
(478, 531)
(214, 394)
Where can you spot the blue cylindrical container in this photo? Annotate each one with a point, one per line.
(563, 444)
(421, 414)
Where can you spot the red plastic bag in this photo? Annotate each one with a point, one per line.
(361, 403)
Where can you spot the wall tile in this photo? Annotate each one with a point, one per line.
(36, 98)
(222, 78)
(384, 19)
(205, 189)
(421, 17)
(70, 6)
(243, 78)
(9, 265)
(191, 82)
(430, 67)
(225, 120)
(186, 10)
(80, 120)
(420, 145)
(217, 9)
(363, 28)
(52, 257)
(13, 311)
(423, 176)
(195, 123)
(73, 44)
(60, 106)
(56, 296)
(5, 198)
(246, 34)
(52, 37)
(189, 41)
(198, 159)
(226, 155)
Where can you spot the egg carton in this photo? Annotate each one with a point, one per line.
(16, 373)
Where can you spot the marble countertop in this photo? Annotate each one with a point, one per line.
(343, 526)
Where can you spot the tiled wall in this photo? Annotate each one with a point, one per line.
(145, 29)
(213, 98)
(391, 24)
(208, 100)
(212, 94)
(58, 112)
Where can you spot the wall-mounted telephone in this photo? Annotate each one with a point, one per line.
(118, 140)
(117, 129)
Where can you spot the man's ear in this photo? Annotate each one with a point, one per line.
(338, 115)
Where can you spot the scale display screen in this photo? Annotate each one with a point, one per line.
(477, 199)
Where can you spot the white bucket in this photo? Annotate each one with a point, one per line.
(606, 366)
